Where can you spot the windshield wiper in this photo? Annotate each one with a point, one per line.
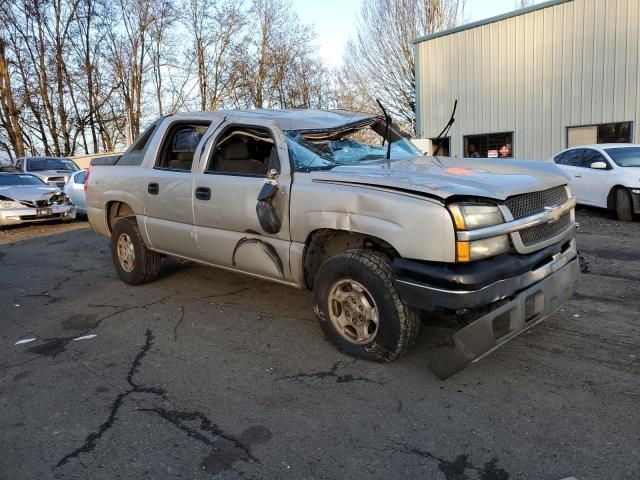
(387, 127)
(446, 129)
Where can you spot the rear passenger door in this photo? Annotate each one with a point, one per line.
(169, 184)
(241, 196)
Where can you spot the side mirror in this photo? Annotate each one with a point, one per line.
(266, 212)
(599, 165)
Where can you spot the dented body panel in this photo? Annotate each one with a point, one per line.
(417, 227)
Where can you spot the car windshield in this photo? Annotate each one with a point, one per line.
(6, 180)
(39, 164)
(626, 156)
(358, 145)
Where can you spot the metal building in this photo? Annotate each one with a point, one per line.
(534, 81)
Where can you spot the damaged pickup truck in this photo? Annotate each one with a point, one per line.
(381, 235)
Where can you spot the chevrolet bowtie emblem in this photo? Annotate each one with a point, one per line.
(553, 213)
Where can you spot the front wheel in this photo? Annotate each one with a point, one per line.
(134, 262)
(624, 205)
(359, 308)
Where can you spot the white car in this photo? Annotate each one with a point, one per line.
(75, 191)
(605, 175)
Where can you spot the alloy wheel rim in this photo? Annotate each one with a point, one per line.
(353, 312)
(126, 253)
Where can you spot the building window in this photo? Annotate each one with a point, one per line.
(490, 145)
(444, 150)
(603, 133)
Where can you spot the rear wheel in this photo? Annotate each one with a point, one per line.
(359, 308)
(134, 262)
(624, 205)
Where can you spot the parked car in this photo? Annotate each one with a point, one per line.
(25, 198)
(311, 199)
(74, 189)
(605, 175)
(52, 170)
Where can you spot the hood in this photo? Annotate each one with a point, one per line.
(30, 193)
(52, 173)
(444, 177)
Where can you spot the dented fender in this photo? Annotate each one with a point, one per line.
(416, 227)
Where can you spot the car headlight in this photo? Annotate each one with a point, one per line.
(10, 204)
(470, 216)
(479, 249)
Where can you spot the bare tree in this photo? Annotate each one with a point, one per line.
(217, 30)
(84, 75)
(380, 58)
(524, 3)
(9, 114)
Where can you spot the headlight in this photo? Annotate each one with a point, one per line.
(469, 216)
(10, 204)
(479, 249)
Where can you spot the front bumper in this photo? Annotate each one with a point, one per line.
(16, 216)
(519, 303)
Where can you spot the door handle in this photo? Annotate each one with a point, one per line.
(578, 176)
(203, 193)
(153, 188)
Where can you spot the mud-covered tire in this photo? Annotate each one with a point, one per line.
(398, 324)
(624, 205)
(145, 266)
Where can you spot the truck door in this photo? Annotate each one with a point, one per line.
(241, 202)
(169, 186)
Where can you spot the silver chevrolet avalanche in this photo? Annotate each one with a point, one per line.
(341, 203)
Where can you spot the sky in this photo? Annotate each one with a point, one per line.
(334, 21)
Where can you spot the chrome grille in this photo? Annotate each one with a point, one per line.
(543, 232)
(531, 203)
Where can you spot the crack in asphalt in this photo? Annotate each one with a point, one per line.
(206, 431)
(332, 373)
(91, 440)
(178, 418)
(52, 347)
(178, 323)
(457, 469)
(58, 284)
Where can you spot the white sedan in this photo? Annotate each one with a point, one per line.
(605, 175)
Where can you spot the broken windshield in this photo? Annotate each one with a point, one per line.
(316, 150)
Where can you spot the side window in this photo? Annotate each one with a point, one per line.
(247, 151)
(80, 177)
(561, 159)
(592, 156)
(179, 145)
(572, 158)
(135, 153)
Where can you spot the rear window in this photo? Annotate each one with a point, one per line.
(39, 164)
(625, 157)
(136, 152)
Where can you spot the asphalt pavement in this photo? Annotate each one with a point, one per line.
(208, 374)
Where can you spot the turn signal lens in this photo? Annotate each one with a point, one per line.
(463, 252)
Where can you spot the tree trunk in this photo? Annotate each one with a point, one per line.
(10, 117)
